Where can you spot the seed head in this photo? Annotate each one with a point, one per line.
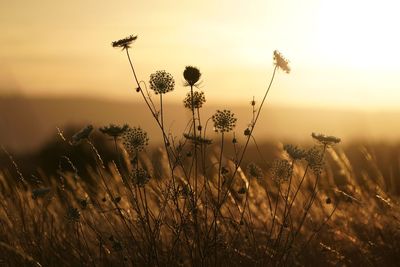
(125, 42)
(294, 152)
(281, 62)
(192, 75)
(83, 134)
(325, 140)
(197, 102)
(253, 170)
(198, 139)
(135, 139)
(161, 82)
(140, 177)
(224, 121)
(315, 160)
(281, 170)
(114, 130)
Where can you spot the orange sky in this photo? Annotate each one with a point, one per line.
(343, 53)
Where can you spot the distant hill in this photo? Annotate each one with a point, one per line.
(26, 123)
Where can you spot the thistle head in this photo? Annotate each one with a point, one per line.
(196, 102)
(281, 62)
(161, 82)
(83, 134)
(192, 75)
(125, 42)
(224, 121)
(114, 131)
(281, 170)
(135, 139)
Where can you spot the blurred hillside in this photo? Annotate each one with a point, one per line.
(26, 123)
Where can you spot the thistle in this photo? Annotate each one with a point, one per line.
(135, 139)
(192, 75)
(224, 121)
(125, 42)
(83, 134)
(281, 170)
(161, 82)
(195, 103)
(114, 131)
(281, 62)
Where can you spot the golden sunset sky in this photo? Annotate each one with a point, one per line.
(343, 53)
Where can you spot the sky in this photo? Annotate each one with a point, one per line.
(343, 53)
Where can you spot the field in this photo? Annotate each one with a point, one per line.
(83, 208)
(211, 194)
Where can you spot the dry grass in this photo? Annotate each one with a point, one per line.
(364, 229)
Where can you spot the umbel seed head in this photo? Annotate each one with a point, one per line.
(161, 82)
(83, 134)
(192, 75)
(196, 102)
(135, 139)
(125, 42)
(224, 121)
(281, 62)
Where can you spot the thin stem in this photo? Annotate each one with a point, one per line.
(251, 132)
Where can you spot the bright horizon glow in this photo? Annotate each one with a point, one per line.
(342, 53)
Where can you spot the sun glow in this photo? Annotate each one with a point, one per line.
(359, 33)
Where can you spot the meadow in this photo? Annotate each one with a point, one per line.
(212, 195)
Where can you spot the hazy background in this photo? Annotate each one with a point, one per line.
(343, 54)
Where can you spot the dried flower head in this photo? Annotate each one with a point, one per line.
(253, 170)
(125, 42)
(135, 139)
(114, 131)
(192, 75)
(40, 192)
(83, 134)
(281, 62)
(325, 140)
(198, 139)
(281, 170)
(73, 214)
(161, 82)
(197, 101)
(315, 160)
(224, 121)
(294, 152)
(140, 177)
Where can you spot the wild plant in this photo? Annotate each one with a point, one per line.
(208, 206)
